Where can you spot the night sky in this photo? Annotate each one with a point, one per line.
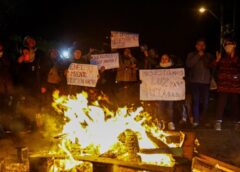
(169, 26)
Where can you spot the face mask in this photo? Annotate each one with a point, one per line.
(229, 48)
(1, 54)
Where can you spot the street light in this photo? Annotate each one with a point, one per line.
(203, 10)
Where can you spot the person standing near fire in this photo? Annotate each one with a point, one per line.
(228, 82)
(31, 67)
(126, 76)
(79, 59)
(166, 107)
(199, 65)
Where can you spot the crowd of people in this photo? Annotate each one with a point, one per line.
(36, 74)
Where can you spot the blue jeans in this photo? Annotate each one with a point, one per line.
(200, 94)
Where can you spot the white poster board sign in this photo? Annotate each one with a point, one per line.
(162, 84)
(82, 75)
(108, 61)
(124, 40)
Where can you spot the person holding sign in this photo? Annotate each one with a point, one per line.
(78, 59)
(199, 63)
(166, 107)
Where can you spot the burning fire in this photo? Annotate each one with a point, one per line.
(92, 129)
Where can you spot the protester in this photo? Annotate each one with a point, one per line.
(55, 71)
(79, 59)
(199, 63)
(126, 76)
(31, 67)
(127, 69)
(166, 107)
(228, 81)
(142, 54)
(151, 59)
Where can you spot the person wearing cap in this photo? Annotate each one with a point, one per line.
(228, 81)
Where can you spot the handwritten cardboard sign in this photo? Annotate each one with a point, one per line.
(124, 40)
(82, 75)
(162, 84)
(108, 61)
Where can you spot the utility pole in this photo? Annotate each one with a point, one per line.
(221, 28)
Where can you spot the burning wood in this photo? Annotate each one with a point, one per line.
(97, 131)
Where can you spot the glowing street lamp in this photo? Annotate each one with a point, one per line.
(202, 10)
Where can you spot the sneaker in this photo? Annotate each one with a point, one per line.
(195, 124)
(171, 126)
(183, 121)
(218, 126)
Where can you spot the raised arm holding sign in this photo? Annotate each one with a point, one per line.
(108, 61)
(124, 40)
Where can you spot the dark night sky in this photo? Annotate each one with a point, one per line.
(170, 26)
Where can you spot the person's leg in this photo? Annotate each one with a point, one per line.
(235, 106)
(204, 93)
(221, 103)
(170, 111)
(196, 102)
(170, 106)
(162, 110)
(188, 105)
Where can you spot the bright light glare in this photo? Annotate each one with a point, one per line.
(202, 10)
(65, 54)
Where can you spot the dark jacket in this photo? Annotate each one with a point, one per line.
(228, 75)
(199, 68)
(32, 75)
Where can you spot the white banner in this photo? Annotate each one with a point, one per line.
(109, 61)
(124, 40)
(162, 84)
(82, 75)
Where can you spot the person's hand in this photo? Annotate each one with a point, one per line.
(145, 53)
(102, 69)
(91, 50)
(201, 53)
(66, 72)
(20, 59)
(218, 56)
(134, 66)
(43, 90)
(27, 58)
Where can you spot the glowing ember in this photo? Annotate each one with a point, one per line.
(90, 129)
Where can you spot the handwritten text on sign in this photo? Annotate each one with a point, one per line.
(162, 84)
(82, 75)
(124, 40)
(109, 61)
